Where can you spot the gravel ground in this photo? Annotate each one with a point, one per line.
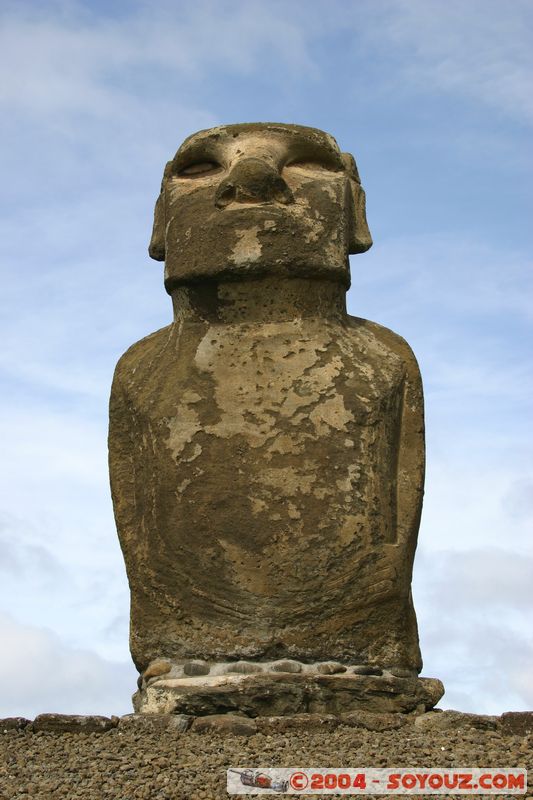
(127, 764)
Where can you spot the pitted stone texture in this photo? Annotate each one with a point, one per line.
(244, 668)
(517, 722)
(155, 723)
(266, 449)
(13, 724)
(124, 764)
(250, 200)
(281, 694)
(451, 720)
(225, 723)
(297, 722)
(164, 669)
(402, 672)
(374, 722)
(197, 667)
(73, 723)
(159, 667)
(286, 666)
(297, 411)
(364, 669)
(330, 668)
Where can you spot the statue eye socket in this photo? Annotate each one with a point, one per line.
(199, 168)
(313, 164)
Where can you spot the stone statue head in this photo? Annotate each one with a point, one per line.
(259, 199)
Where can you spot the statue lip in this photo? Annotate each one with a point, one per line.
(246, 214)
(266, 208)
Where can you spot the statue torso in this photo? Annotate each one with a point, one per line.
(265, 429)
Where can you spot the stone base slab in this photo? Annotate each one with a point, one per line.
(513, 723)
(168, 669)
(286, 694)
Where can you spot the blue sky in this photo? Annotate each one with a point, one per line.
(435, 101)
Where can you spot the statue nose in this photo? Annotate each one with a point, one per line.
(252, 180)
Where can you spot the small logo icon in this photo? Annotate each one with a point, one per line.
(251, 777)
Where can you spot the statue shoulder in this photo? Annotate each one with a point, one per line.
(142, 352)
(386, 338)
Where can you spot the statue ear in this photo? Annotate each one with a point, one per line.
(360, 239)
(156, 248)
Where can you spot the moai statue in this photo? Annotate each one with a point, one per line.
(267, 449)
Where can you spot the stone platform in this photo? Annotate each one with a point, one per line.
(59, 757)
(512, 723)
(285, 693)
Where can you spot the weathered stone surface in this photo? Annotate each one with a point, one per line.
(374, 722)
(298, 722)
(153, 723)
(402, 672)
(225, 723)
(286, 666)
(517, 722)
(159, 667)
(365, 669)
(451, 720)
(284, 693)
(330, 668)
(197, 667)
(224, 184)
(73, 723)
(124, 765)
(243, 668)
(266, 449)
(13, 723)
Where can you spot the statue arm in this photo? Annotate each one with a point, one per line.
(121, 459)
(411, 454)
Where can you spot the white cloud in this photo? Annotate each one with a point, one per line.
(21, 550)
(73, 63)
(474, 611)
(480, 50)
(488, 579)
(466, 502)
(60, 559)
(455, 276)
(465, 309)
(39, 673)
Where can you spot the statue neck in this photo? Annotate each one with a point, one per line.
(259, 300)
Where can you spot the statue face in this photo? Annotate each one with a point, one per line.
(250, 200)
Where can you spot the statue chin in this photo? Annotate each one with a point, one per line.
(267, 449)
(251, 240)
